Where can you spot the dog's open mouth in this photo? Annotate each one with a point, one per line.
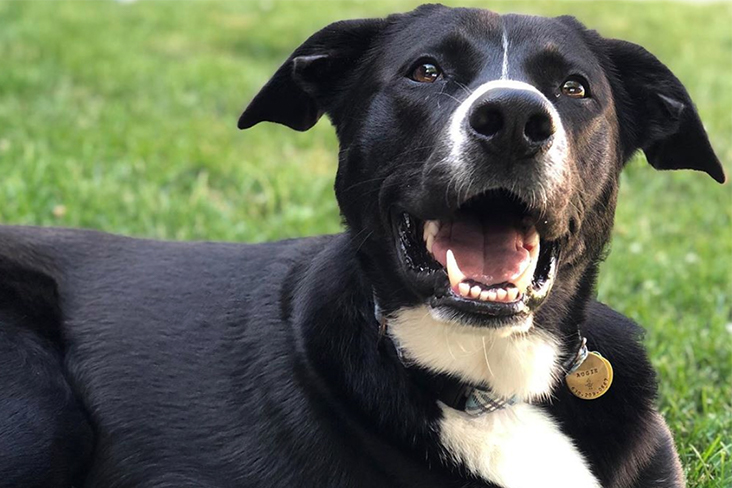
(487, 261)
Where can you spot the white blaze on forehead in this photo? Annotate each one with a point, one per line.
(504, 67)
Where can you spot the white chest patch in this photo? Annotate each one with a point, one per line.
(516, 447)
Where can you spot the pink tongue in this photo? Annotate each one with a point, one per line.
(490, 252)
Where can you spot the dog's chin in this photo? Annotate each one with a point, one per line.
(499, 326)
(484, 266)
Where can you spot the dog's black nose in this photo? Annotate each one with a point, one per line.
(515, 119)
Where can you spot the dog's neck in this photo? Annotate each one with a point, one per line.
(523, 364)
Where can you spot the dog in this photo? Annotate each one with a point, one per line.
(448, 338)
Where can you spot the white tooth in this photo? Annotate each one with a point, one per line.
(523, 281)
(532, 237)
(464, 289)
(501, 294)
(512, 294)
(433, 226)
(484, 295)
(475, 292)
(492, 295)
(453, 272)
(530, 241)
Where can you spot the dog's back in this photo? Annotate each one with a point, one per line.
(148, 336)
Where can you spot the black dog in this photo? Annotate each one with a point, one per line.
(438, 342)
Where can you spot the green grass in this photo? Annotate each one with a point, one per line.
(122, 117)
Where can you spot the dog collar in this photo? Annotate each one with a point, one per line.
(471, 399)
(479, 400)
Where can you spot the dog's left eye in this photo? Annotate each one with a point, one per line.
(574, 88)
(426, 73)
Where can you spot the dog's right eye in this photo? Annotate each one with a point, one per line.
(426, 73)
(574, 87)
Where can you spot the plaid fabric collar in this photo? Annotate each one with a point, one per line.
(471, 399)
(480, 401)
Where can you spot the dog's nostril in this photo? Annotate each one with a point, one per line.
(539, 128)
(573, 226)
(486, 121)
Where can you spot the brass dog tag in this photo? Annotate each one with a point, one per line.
(592, 379)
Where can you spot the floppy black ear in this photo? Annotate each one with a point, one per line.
(303, 87)
(656, 113)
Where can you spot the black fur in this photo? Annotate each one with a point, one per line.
(130, 363)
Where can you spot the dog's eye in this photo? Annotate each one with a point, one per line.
(426, 73)
(574, 88)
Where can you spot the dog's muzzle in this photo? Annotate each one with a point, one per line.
(513, 123)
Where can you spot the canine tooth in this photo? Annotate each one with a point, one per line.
(433, 226)
(484, 295)
(523, 281)
(492, 295)
(453, 271)
(464, 289)
(430, 242)
(501, 294)
(475, 292)
(512, 294)
(532, 237)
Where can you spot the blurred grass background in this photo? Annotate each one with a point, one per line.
(122, 117)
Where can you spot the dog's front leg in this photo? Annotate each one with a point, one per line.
(517, 447)
(662, 468)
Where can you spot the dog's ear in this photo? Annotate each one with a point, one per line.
(303, 87)
(656, 113)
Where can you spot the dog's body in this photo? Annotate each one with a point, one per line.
(329, 361)
(197, 376)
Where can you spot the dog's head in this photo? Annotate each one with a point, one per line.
(480, 153)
